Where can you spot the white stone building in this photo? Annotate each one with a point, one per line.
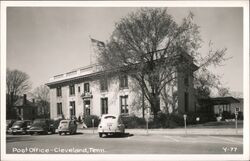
(89, 91)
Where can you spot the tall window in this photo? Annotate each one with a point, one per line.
(104, 84)
(87, 107)
(124, 104)
(104, 105)
(72, 89)
(73, 108)
(58, 91)
(123, 81)
(86, 87)
(59, 108)
(186, 101)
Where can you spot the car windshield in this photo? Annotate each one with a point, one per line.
(18, 123)
(39, 122)
(109, 117)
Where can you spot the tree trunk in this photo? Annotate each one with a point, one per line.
(155, 105)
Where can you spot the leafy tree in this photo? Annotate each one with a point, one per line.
(151, 44)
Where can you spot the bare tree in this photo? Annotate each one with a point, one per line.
(150, 43)
(17, 82)
(41, 95)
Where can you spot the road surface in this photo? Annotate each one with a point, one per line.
(81, 143)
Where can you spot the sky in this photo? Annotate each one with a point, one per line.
(46, 41)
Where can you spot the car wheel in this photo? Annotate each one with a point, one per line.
(59, 133)
(100, 135)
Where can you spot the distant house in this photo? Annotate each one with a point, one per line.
(222, 105)
(24, 109)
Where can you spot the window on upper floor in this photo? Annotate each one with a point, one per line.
(123, 81)
(86, 87)
(58, 91)
(72, 89)
(104, 84)
(79, 89)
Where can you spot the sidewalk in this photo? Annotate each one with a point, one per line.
(176, 131)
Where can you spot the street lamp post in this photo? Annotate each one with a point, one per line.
(236, 119)
(147, 119)
(93, 121)
(185, 123)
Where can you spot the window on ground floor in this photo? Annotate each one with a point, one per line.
(59, 108)
(104, 105)
(124, 104)
(72, 108)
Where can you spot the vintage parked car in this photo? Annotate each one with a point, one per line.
(20, 127)
(9, 124)
(111, 124)
(67, 126)
(42, 126)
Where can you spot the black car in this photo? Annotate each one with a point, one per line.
(20, 127)
(9, 124)
(42, 126)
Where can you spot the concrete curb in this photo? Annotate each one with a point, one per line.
(214, 131)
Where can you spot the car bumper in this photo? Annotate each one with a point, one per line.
(17, 131)
(35, 131)
(110, 130)
(63, 130)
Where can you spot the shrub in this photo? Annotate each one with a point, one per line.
(206, 117)
(176, 120)
(133, 122)
(88, 120)
(227, 115)
(240, 115)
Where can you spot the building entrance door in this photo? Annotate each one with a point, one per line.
(86, 107)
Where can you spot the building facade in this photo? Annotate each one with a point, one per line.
(89, 91)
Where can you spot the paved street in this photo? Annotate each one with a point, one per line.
(87, 143)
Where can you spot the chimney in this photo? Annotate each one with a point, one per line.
(24, 99)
